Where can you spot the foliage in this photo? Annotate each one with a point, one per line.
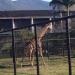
(66, 3)
(63, 2)
(24, 34)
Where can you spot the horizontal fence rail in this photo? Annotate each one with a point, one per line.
(38, 24)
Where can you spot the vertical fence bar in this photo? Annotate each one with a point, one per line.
(37, 57)
(13, 50)
(68, 47)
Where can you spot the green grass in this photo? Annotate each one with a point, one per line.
(54, 66)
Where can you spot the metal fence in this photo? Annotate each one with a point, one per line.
(12, 57)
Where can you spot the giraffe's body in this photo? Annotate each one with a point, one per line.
(32, 45)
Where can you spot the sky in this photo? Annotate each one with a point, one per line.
(42, 0)
(47, 0)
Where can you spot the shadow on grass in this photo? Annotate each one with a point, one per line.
(3, 67)
(29, 65)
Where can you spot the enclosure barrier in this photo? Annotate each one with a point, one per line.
(37, 60)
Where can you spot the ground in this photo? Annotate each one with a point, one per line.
(55, 65)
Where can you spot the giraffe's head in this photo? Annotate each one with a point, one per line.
(49, 26)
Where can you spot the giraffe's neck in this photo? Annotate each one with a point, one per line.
(41, 34)
(43, 31)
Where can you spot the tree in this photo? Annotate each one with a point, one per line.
(66, 3)
(24, 34)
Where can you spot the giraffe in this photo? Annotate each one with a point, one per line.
(32, 45)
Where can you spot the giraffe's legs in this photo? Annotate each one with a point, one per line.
(40, 50)
(41, 54)
(31, 55)
(32, 58)
(32, 61)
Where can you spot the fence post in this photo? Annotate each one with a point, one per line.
(37, 57)
(13, 50)
(68, 47)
